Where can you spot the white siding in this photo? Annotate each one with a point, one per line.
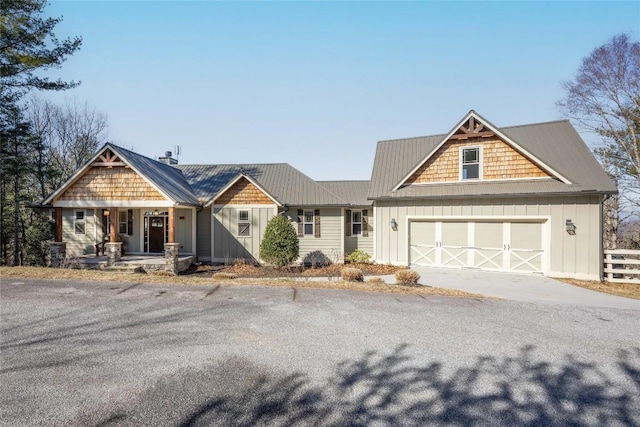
(570, 256)
(330, 240)
(227, 245)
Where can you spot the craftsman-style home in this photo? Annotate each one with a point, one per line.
(524, 199)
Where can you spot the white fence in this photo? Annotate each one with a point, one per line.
(622, 265)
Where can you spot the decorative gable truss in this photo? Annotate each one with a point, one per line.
(475, 141)
(107, 180)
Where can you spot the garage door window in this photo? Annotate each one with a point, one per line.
(470, 163)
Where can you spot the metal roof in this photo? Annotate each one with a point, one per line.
(282, 181)
(168, 179)
(557, 144)
(352, 192)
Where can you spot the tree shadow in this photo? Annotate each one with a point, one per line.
(393, 389)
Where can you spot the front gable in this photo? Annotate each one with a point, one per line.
(500, 158)
(106, 178)
(243, 192)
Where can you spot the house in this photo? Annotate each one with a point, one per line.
(215, 212)
(524, 199)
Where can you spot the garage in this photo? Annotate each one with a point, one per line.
(495, 245)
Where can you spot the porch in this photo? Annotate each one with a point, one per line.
(133, 261)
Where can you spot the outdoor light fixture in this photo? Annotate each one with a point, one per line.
(571, 227)
(156, 212)
(394, 224)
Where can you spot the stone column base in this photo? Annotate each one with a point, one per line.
(171, 257)
(58, 254)
(114, 252)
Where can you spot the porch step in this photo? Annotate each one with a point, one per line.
(126, 268)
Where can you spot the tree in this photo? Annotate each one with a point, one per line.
(28, 44)
(280, 244)
(604, 98)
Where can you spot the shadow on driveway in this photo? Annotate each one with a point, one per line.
(390, 389)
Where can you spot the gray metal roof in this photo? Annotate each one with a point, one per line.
(352, 192)
(282, 181)
(167, 178)
(556, 144)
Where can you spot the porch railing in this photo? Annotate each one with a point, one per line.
(622, 265)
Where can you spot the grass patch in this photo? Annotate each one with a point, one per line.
(114, 276)
(627, 290)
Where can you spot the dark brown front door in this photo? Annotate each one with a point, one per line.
(156, 234)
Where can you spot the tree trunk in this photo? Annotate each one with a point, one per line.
(611, 208)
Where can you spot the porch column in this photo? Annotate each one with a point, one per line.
(58, 231)
(172, 225)
(113, 225)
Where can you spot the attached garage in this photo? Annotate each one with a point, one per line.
(505, 244)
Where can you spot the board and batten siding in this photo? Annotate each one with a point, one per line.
(184, 232)
(577, 256)
(203, 236)
(227, 245)
(330, 242)
(365, 244)
(81, 244)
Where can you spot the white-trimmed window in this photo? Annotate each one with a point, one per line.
(244, 223)
(356, 223)
(122, 222)
(79, 224)
(308, 222)
(470, 163)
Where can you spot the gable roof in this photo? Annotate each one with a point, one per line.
(241, 175)
(472, 116)
(556, 145)
(168, 180)
(281, 181)
(352, 192)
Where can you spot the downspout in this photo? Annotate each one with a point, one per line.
(601, 237)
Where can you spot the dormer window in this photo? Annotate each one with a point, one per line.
(470, 163)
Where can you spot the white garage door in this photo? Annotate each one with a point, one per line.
(514, 246)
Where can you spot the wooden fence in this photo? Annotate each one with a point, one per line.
(622, 265)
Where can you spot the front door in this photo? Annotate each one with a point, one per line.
(156, 234)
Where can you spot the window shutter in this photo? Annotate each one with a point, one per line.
(300, 220)
(347, 217)
(365, 223)
(130, 222)
(316, 225)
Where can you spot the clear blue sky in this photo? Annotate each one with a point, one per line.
(317, 84)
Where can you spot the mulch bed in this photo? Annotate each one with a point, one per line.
(248, 270)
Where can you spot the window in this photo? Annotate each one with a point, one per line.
(123, 222)
(470, 163)
(308, 223)
(79, 225)
(356, 223)
(244, 224)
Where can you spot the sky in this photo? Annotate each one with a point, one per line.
(317, 84)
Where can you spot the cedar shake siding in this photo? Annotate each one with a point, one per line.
(243, 192)
(499, 161)
(115, 183)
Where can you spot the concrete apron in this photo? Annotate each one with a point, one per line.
(520, 287)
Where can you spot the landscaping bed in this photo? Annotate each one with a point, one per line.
(250, 270)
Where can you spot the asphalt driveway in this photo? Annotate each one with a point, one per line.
(107, 354)
(521, 287)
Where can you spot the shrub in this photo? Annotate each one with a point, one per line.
(358, 257)
(376, 281)
(224, 275)
(280, 244)
(407, 277)
(351, 274)
(316, 259)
